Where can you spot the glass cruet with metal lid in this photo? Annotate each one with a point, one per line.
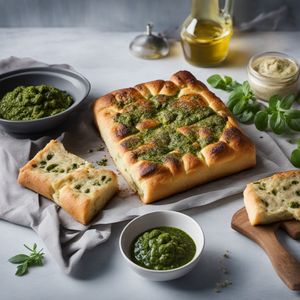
(206, 32)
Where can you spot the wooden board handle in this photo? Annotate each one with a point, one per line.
(286, 266)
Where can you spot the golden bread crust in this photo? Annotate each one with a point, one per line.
(69, 181)
(126, 119)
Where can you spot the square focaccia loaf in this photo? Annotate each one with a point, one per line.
(69, 180)
(168, 136)
(274, 198)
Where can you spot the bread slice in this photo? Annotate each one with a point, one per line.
(51, 163)
(274, 198)
(84, 192)
(56, 174)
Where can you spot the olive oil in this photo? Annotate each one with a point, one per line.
(206, 42)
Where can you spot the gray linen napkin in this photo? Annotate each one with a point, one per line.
(68, 240)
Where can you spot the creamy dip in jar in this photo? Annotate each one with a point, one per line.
(273, 73)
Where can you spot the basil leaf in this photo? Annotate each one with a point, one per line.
(217, 82)
(277, 123)
(293, 124)
(237, 93)
(246, 117)
(293, 119)
(232, 102)
(292, 114)
(20, 258)
(273, 102)
(228, 80)
(261, 120)
(295, 158)
(286, 102)
(22, 269)
(246, 88)
(239, 107)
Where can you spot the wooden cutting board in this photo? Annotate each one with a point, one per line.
(286, 266)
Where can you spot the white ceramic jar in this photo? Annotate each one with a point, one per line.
(273, 73)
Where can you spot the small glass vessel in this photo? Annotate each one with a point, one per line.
(206, 33)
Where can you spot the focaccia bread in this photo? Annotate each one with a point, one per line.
(168, 136)
(69, 181)
(274, 198)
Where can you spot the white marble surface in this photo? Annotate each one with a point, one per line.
(105, 60)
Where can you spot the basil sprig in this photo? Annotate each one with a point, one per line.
(35, 258)
(278, 116)
(241, 102)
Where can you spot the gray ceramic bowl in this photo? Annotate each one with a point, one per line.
(72, 82)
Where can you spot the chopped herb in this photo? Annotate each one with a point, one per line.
(49, 156)
(87, 191)
(274, 192)
(294, 204)
(34, 165)
(298, 193)
(295, 182)
(74, 166)
(265, 202)
(51, 167)
(285, 188)
(77, 186)
(103, 178)
(108, 180)
(102, 162)
(43, 163)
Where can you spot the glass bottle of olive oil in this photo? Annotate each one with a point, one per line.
(206, 33)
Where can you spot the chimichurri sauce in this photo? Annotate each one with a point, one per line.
(163, 248)
(33, 102)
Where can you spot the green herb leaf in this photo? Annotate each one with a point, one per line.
(286, 102)
(293, 119)
(232, 102)
(246, 117)
(277, 123)
(217, 82)
(261, 120)
(25, 261)
(225, 84)
(239, 107)
(273, 101)
(295, 158)
(17, 259)
(22, 269)
(246, 88)
(228, 80)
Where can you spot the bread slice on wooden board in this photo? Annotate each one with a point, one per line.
(274, 198)
(56, 174)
